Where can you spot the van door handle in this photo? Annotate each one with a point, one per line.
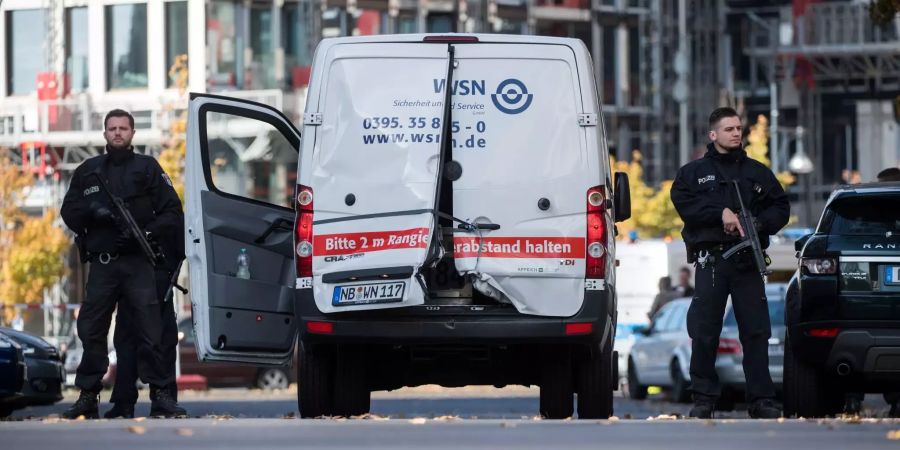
(479, 226)
(279, 223)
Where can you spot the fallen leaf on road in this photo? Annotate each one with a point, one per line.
(893, 435)
(289, 415)
(418, 421)
(80, 418)
(447, 418)
(370, 416)
(663, 417)
(780, 420)
(709, 423)
(187, 432)
(629, 416)
(140, 419)
(613, 418)
(137, 429)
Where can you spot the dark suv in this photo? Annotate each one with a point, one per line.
(843, 304)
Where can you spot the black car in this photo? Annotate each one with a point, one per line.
(45, 374)
(843, 304)
(12, 375)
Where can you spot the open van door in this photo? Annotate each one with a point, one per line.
(241, 171)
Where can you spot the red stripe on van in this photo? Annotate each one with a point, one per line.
(519, 247)
(374, 241)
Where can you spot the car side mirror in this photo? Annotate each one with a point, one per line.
(642, 330)
(622, 197)
(799, 243)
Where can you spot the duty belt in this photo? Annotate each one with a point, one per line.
(104, 258)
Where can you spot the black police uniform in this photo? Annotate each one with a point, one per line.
(120, 273)
(125, 393)
(700, 192)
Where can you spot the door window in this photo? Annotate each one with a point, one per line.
(250, 158)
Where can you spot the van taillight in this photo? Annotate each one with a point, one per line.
(304, 231)
(596, 233)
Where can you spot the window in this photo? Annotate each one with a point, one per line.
(77, 49)
(25, 31)
(262, 44)
(225, 45)
(440, 23)
(126, 46)
(870, 215)
(251, 159)
(297, 44)
(176, 35)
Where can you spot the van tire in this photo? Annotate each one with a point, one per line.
(315, 375)
(595, 375)
(557, 391)
(352, 396)
(636, 391)
(807, 393)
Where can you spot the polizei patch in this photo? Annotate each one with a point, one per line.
(706, 178)
(91, 190)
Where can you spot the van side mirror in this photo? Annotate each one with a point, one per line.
(799, 243)
(622, 197)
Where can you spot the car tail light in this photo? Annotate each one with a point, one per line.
(728, 346)
(579, 328)
(823, 332)
(595, 259)
(303, 235)
(320, 327)
(819, 266)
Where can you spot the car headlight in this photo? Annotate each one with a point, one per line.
(819, 266)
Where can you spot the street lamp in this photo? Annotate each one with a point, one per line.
(800, 163)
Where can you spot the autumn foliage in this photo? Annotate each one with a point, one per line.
(31, 248)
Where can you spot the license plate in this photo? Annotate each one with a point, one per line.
(892, 275)
(776, 350)
(364, 294)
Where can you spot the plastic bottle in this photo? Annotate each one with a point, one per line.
(243, 265)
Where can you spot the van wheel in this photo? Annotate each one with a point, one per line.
(680, 391)
(557, 392)
(271, 378)
(315, 375)
(352, 396)
(595, 383)
(635, 390)
(807, 393)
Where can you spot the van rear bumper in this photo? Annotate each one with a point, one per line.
(427, 325)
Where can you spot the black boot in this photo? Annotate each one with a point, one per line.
(702, 410)
(120, 411)
(163, 405)
(764, 408)
(853, 404)
(87, 405)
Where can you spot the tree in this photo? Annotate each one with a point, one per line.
(652, 212)
(31, 248)
(758, 149)
(883, 12)
(171, 159)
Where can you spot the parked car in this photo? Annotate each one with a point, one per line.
(72, 358)
(13, 371)
(843, 304)
(43, 384)
(224, 374)
(662, 358)
(625, 339)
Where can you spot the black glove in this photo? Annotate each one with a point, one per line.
(101, 214)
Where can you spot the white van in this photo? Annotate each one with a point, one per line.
(410, 233)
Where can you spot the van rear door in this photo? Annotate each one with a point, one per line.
(374, 161)
(527, 164)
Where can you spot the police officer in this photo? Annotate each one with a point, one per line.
(125, 394)
(704, 198)
(120, 273)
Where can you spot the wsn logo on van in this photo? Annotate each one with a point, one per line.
(512, 96)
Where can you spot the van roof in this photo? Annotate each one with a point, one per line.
(492, 38)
